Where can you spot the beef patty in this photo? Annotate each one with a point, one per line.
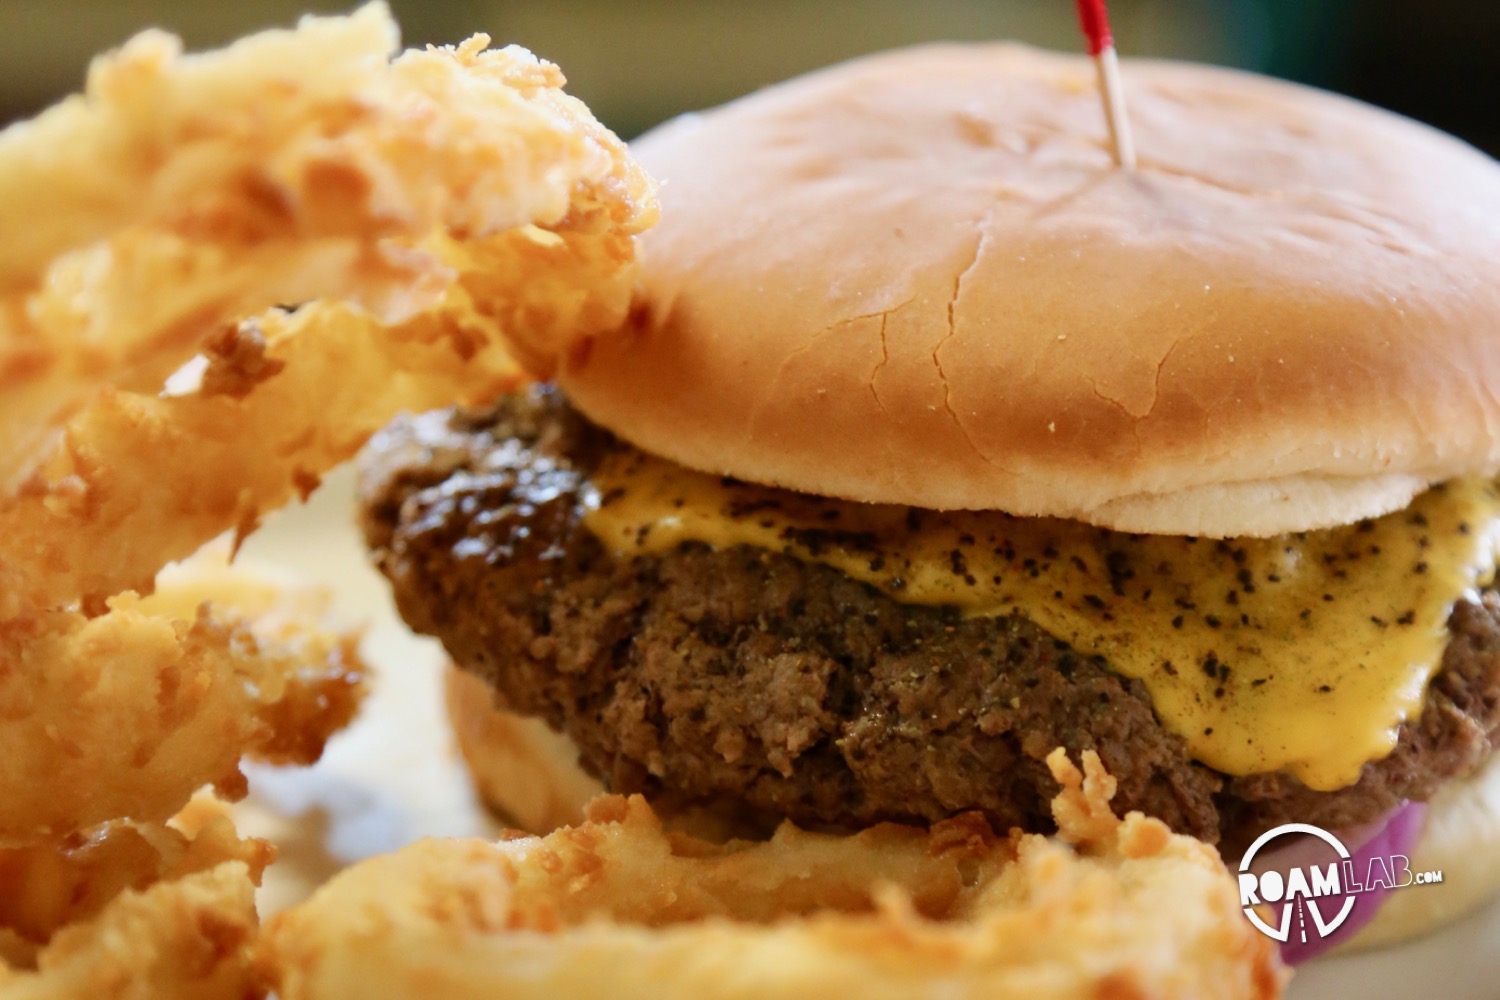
(748, 675)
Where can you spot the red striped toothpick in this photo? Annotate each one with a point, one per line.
(1095, 21)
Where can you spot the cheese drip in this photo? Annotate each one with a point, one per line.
(1301, 653)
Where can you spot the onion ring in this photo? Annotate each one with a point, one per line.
(288, 167)
(101, 518)
(616, 904)
(441, 218)
(129, 713)
(46, 886)
(189, 938)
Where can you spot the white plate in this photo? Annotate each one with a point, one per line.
(394, 776)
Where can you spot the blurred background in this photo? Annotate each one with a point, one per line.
(637, 63)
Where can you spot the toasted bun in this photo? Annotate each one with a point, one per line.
(527, 774)
(917, 278)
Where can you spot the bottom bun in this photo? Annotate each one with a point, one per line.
(530, 776)
(526, 773)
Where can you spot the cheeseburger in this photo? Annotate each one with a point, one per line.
(935, 441)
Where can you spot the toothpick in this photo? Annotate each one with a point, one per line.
(1095, 21)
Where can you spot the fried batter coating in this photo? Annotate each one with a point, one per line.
(105, 516)
(286, 397)
(430, 219)
(43, 887)
(127, 714)
(291, 166)
(437, 215)
(617, 905)
(187, 939)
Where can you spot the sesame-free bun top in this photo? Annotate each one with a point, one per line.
(918, 278)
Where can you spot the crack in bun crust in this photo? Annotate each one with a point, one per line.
(917, 278)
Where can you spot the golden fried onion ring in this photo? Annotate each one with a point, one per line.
(102, 516)
(617, 906)
(129, 713)
(44, 887)
(439, 220)
(187, 939)
(286, 397)
(237, 168)
(183, 193)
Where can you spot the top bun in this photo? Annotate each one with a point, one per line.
(917, 278)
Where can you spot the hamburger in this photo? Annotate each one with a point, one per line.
(934, 441)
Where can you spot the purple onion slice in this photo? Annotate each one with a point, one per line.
(1376, 858)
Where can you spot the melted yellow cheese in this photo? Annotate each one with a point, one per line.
(1301, 653)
